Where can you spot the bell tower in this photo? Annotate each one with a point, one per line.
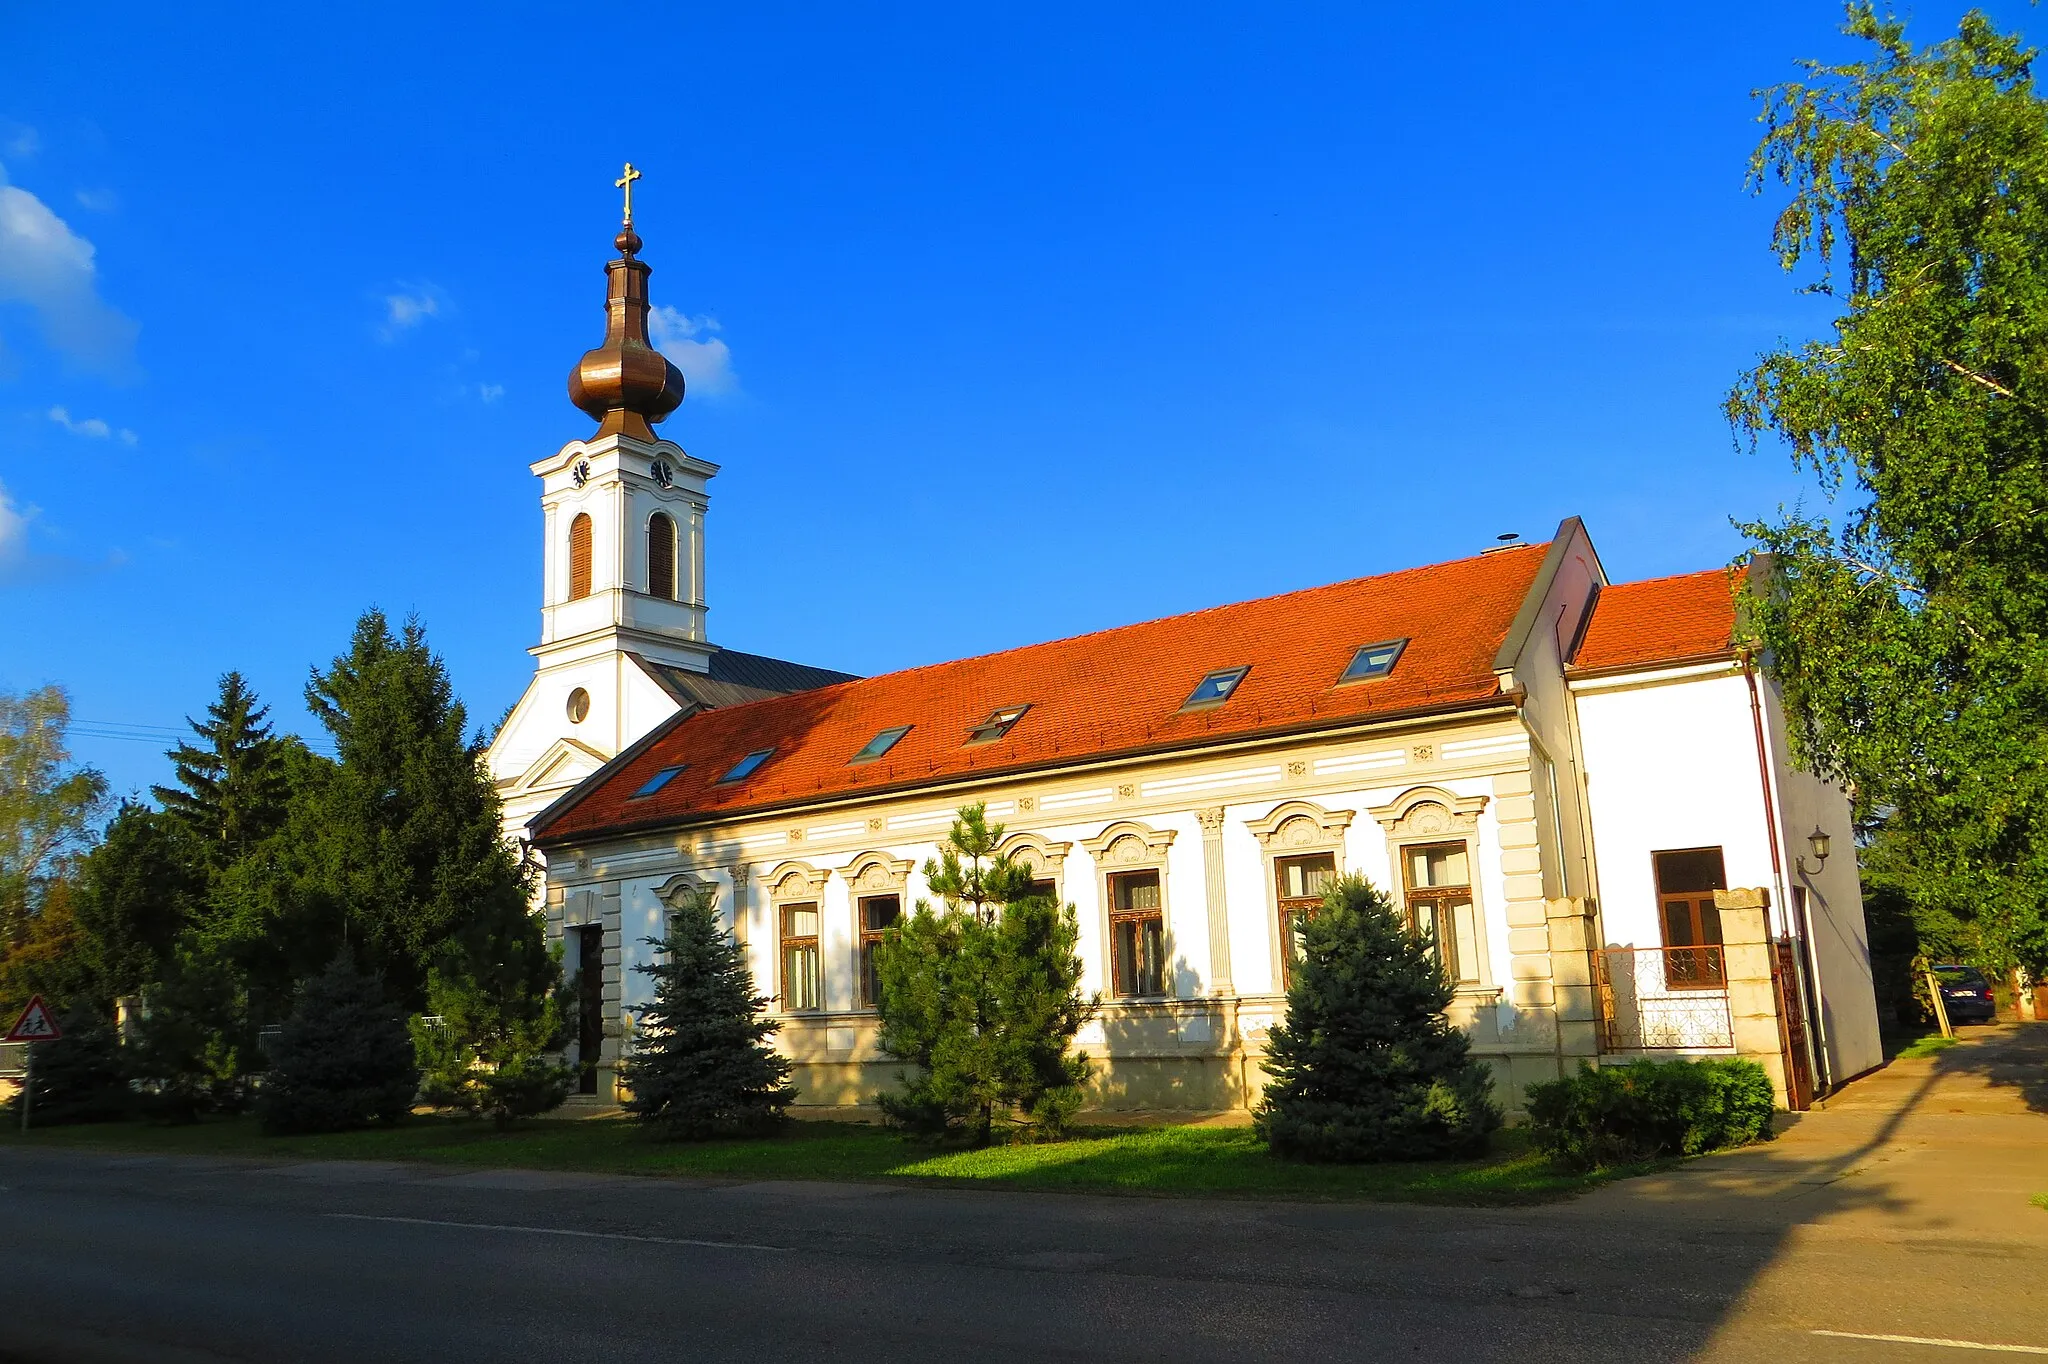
(622, 564)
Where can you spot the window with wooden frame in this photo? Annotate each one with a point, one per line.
(1137, 934)
(1302, 881)
(1691, 921)
(876, 914)
(579, 556)
(661, 556)
(1437, 881)
(801, 986)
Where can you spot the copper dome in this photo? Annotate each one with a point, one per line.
(626, 383)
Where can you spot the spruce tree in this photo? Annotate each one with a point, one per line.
(497, 1017)
(135, 894)
(701, 1064)
(983, 997)
(396, 848)
(1367, 1067)
(231, 788)
(343, 1059)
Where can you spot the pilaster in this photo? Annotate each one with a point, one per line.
(1214, 891)
(1752, 998)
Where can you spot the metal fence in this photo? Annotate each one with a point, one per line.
(1663, 999)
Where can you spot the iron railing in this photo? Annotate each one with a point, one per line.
(1663, 999)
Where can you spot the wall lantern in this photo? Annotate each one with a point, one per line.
(1819, 842)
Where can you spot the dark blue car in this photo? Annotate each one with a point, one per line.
(1965, 994)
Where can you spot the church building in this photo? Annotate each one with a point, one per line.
(1579, 793)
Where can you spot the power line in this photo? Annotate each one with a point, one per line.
(162, 735)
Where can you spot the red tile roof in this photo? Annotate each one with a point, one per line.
(1662, 620)
(1116, 692)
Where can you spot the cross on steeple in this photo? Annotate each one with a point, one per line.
(625, 182)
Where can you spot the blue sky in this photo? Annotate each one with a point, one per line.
(1003, 325)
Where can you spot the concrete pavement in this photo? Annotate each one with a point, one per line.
(1900, 1210)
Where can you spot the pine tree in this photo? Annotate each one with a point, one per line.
(497, 1018)
(1367, 1067)
(701, 1065)
(343, 1059)
(194, 1045)
(983, 997)
(231, 788)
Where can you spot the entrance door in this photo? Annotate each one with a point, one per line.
(589, 1005)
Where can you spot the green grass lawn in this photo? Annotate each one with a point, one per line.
(1899, 1048)
(1154, 1160)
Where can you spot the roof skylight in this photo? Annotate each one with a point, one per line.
(997, 724)
(880, 744)
(1215, 689)
(1374, 660)
(656, 782)
(746, 766)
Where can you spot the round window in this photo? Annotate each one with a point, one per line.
(579, 706)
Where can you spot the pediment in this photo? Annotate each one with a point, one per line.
(561, 764)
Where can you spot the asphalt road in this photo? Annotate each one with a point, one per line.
(1744, 1257)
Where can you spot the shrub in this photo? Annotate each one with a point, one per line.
(1620, 1115)
(342, 1060)
(80, 1076)
(701, 1065)
(1367, 1067)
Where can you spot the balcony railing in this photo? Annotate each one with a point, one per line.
(1663, 999)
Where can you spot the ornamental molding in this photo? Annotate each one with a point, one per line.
(1425, 811)
(796, 881)
(675, 891)
(1128, 843)
(1045, 857)
(875, 873)
(1301, 824)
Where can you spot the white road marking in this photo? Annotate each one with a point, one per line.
(1937, 1340)
(554, 1231)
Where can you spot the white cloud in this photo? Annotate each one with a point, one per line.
(706, 364)
(490, 393)
(46, 265)
(97, 200)
(90, 426)
(13, 532)
(407, 309)
(22, 141)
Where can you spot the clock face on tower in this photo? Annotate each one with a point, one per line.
(580, 475)
(663, 474)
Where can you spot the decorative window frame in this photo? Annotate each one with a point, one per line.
(1430, 814)
(1294, 828)
(870, 874)
(1125, 846)
(796, 883)
(1046, 858)
(679, 887)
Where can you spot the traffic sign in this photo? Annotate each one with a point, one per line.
(36, 1024)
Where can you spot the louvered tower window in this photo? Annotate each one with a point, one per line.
(579, 556)
(661, 557)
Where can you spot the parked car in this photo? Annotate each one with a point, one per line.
(1965, 994)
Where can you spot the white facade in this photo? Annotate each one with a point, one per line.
(591, 697)
(1692, 758)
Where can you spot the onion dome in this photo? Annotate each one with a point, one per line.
(626, 383)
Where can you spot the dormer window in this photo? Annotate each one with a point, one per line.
(997, 725)
(1373, 661)
(880, 744)
(656, 782)
(747, 766)
(1215, 689)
